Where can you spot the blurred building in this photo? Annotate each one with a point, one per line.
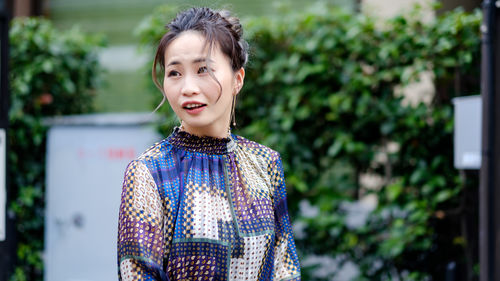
(390, 8)
(468, 5)
(27, 8)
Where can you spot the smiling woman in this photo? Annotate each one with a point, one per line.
(204, 204)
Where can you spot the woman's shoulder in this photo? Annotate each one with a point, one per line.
(150, 157)
(155, 151)
(256, 148)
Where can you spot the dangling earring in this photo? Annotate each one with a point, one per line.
(233, 117)
(232, 120)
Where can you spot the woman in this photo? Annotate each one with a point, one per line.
(204, 204)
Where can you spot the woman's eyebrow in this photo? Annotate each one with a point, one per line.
(173, 63)
(197, 60)
(202, 60)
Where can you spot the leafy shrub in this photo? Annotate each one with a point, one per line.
(321, 88)
(51, 73)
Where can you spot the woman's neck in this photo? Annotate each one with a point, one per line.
(209, 131)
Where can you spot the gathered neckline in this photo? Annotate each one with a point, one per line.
(203, 144)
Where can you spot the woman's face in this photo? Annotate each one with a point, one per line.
(195, 96)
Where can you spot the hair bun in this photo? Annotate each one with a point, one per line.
(233, 21)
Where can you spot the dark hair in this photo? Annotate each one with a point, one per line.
(218, 27)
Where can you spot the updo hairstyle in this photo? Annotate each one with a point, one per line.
(218, 27)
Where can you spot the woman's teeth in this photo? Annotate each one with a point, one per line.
(191, 106)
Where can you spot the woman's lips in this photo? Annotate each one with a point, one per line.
(194, 108)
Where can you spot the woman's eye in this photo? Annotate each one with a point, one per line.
(203, 69)
(173, 73)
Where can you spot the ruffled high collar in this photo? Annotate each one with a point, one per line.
(204, 144)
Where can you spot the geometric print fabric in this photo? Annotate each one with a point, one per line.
(204, 208)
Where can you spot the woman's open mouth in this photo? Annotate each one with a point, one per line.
(194, 107)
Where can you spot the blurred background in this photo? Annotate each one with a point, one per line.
(117, 20)
(356, 95)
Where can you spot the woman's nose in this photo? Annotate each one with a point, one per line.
(190, 86)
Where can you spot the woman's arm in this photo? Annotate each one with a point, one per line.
(140, 227)
(286, 261)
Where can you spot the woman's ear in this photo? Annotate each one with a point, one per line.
(239, 78)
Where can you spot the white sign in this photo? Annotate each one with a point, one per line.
(3, 189)
(467, 132)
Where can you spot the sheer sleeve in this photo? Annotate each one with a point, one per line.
(286, 261)
(140, 227)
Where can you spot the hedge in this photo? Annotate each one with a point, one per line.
(50, 73)
(323, 88)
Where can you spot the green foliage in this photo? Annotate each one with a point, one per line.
(149, 32)
(321, 88)
(51, 73)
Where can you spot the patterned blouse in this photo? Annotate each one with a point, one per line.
(205, 208)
